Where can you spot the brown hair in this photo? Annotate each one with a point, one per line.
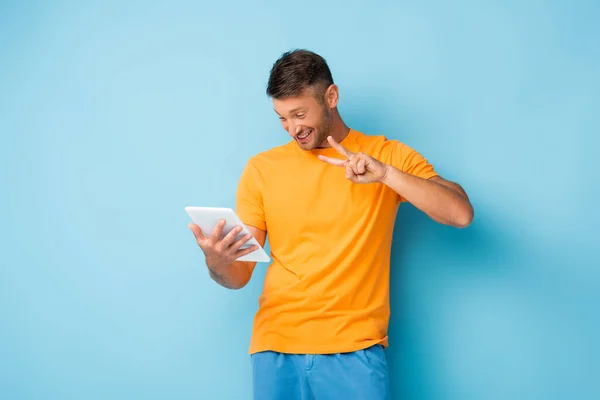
(297, 70)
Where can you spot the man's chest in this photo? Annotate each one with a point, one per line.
(317, 198)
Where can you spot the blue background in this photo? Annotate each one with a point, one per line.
(114, 117)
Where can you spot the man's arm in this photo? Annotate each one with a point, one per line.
(443, 201)
(221, 255)
(236, 277)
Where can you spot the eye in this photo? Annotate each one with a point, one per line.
(300, 115)
(281, 119)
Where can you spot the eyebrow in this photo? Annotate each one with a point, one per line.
(291, 111)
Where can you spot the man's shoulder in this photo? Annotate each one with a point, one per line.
(375, 142)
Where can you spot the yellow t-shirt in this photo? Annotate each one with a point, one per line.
(327, 288)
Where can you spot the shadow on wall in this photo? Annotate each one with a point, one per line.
(429, 263)
(481, 311)
(426, 259)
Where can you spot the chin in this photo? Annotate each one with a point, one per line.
(307, 146)
(313, 144)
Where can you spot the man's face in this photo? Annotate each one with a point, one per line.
(306, 120)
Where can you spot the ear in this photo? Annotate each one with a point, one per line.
(331, 96)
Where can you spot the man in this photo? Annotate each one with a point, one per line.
(328, 200)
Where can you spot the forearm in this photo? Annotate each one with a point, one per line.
(235, 276)
(443, 204)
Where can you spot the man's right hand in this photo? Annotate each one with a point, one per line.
(221, 253)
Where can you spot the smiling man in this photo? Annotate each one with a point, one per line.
(327, 200)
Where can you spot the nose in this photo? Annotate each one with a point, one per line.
(294, 129)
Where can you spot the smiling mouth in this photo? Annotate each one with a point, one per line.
(304, 135)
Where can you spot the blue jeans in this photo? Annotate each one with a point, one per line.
(357, 375)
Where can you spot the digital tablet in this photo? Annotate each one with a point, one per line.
(208, 217)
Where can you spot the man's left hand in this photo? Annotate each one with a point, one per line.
(360, 167)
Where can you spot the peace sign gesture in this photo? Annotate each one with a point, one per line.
(360, 168)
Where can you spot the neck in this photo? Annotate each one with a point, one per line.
(339, 130)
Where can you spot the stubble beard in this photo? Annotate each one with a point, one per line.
(324, 129)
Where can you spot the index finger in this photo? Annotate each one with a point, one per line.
(339, 148)
(333, 161)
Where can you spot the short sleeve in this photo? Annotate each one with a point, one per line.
(249, 200)
(409, 160)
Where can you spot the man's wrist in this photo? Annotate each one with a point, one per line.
(222, 279)
(388, 172)
(212, 264)
(216, 274)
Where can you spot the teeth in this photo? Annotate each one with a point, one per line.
(302, 136)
